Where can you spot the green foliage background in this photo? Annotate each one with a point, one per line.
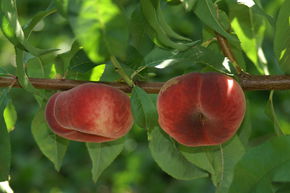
(135, 169)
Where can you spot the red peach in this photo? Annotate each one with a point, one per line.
(90, 113)
(200, 109)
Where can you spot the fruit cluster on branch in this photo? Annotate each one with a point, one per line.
(195, 109)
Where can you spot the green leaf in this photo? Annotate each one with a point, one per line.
(139, 29)
(13, 31)
(158, 33)
(52, 146)
(81, 63)
(230, 154)
(23, 78)
(135, 59)
(9, 22)
(169, 159)
(239, 54)
(259, 10)
(103, 154)
(189, 4)
(206, 10)
(167, 28)
(270, 111)
(219, 161)
(144, 110)
(4, 72)
(28, 28)
(109, 74)
(282, 173)
(282, 37)
(209, 38)
(64, 60)
(5, 147)
(159, 55)
(62, 7)
(281, 187)
(10, 116)
(255, 171)
(173, 2)
(97, 72)
(201, 55)
(202, 157)
(190, 57)
(249, 27)
(101, 28)
(245, 129)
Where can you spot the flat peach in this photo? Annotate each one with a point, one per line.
(201, 109)
(90, 113)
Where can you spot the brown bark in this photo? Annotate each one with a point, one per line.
(247, 82)
(65, 84)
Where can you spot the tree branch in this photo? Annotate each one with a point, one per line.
(264, 82)
(247, 82)
(224, 44)
(65, 84)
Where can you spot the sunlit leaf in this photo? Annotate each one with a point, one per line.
(9, 22)
(97, 72)
(10, 116)
(250, 28)
(101, 28)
